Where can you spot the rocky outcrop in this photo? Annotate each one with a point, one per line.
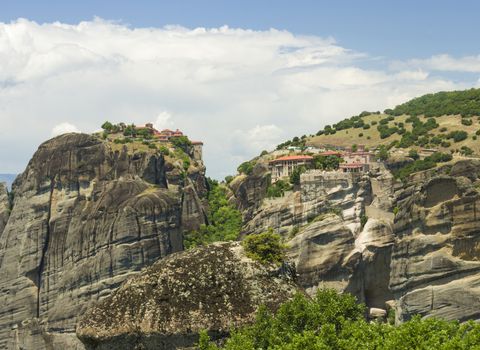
(213, 288)
(250, 190)
(4, 206)
(84, 218)
(413, 245)
(337, 245)
(436, 258)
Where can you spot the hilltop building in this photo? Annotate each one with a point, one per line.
(284, 166)
(166, 134)
(197, 150)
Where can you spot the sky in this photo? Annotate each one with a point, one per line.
(242, 76)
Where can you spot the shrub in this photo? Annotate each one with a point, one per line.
(181, 142)
(266, 247)
(457, 135)
(446, 144)
(278, 189)
(363, 220)
(295, 176)
(164, 150)
(107, 126)
(413, 154)
(246, 167)
(466, 122)
(225, 221)
(382, 153)
(465, 103)
(466, 151)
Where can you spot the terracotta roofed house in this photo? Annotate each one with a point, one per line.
(284, 166)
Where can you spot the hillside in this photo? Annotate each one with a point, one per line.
(446, 121)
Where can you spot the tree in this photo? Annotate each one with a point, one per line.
(224, 220)
(130, 130)
(266, 247)
(107, 126)
(181, 142)
(295, 175)
(382, 154)
(326, 162)
(246, 167)
(413, 154)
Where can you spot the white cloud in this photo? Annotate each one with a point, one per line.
(238, 90)
(163, 121)
(444, 62)
(63, 128)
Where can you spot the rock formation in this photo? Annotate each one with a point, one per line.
(85, 217)
(4, 207)
(414, 245)
(212, 288)
(435, 261)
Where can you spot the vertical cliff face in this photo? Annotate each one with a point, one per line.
(83, 220)
(414, 245)
(4, 207)
(436, 258)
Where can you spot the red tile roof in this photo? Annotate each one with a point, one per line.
(331, 153)
(291, 158)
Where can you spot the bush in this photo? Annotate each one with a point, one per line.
(295, 176)
(278, 189)
(335, 321)
(164, 150)
(382, 153)
(466, 151)
(457, 135)
(413, 154)
(181, 142)
(107, 126)
(326, 162)
(246, 167)
(266, 247)
(225, 221)
(466, 122)
(465, 103)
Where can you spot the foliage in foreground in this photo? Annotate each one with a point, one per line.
(225, 221)
(332, 321)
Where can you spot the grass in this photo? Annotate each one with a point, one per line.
(371, 137)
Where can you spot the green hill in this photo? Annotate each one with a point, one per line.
(447, 121)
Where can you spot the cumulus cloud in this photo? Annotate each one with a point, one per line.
(238, 90)
(164, 121)
(63, 128)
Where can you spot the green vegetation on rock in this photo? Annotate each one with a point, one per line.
(278, 189)
(225, 221)
(335, 321)
(266, 247)
(246, 167)
(422, 164)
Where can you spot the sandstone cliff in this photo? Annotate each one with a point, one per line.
(85, 217)
(213, 288)
(413, 245)
(4, 207)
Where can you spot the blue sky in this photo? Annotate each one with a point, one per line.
(399, 29)
(218, 71)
